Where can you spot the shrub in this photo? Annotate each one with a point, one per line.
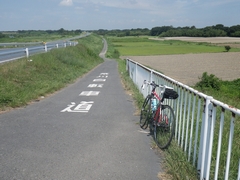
(227, 48)
(209, 81)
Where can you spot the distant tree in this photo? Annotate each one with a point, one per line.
(227, 48)
(156, 31)
(235, 34)
(61, 31)
(78, 31)
(2, 35)
(233, 30)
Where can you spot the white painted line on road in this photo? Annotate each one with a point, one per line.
(103, 75)
(89, 93)
(95, 85)
(99, 80)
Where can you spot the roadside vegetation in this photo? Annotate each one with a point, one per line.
(176, 164)
(37, 36)
(24, 80)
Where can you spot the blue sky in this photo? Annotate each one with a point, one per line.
(115, 14)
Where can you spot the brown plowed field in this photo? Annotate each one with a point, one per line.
(187, 68)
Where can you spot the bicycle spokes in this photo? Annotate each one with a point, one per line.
(165, 127)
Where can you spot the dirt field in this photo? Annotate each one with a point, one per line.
(207, 39)
(220, 41)
(188, 68)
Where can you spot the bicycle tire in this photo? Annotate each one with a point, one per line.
(145, 112)
(164, 129)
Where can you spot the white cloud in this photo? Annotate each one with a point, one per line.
(66, 3)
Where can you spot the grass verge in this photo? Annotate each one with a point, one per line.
(24, 80)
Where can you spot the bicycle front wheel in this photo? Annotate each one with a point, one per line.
(164, 127)
(145, 113)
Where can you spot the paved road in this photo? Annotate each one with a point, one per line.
(86, 131)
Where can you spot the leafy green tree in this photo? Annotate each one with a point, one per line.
(236, 34)
(227, 48)
(61, 31)
(2, 35)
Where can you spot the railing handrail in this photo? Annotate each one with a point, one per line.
(200, 94)
(26, 50)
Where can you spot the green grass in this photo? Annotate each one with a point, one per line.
(22, 81)
(143, 46)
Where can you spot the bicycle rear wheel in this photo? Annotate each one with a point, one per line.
(164, 127)
(145, 112)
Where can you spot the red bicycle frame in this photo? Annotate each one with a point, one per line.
(158, 118)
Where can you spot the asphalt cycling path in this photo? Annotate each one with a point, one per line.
(86, 131)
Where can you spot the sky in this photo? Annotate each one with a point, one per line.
(115, 14)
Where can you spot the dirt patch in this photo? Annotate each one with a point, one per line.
(187, 68)
(233, 42)
(203, 39)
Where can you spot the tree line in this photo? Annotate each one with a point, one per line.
(218, 30)
(29, 33)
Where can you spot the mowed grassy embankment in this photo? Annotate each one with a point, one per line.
(24, 80)
(226, 91)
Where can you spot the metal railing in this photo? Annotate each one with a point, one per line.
(16, 53)
(204, 126)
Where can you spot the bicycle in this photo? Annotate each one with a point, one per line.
(160, 117)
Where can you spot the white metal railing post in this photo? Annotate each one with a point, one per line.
(191, 131)
(136, 67)
(219, 143)
(57, 45)
(180, 117)
(197, 128)
(27, 52)
(177, 115)
(65, 44)
(188, 116)
(212, 121)
(204, 135)
(151, 76)
(230, 146)
(184, 118)
(45, 48)
(200, 153)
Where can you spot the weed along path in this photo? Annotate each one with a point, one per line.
(85, 131)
